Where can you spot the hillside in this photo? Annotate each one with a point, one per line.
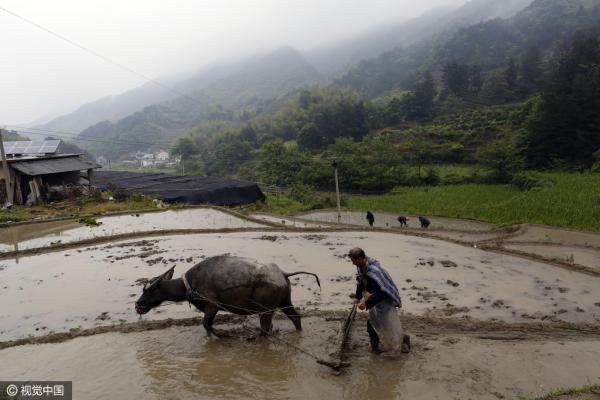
(227, 93)
(336, 59)
(330, 61)
(544, 25)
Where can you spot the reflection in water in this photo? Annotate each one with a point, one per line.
(186, 364)
(180, 363)
(191, 363)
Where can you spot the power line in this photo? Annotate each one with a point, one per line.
(98, 55)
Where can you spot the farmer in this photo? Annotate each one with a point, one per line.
(403, 221)
(370, 218)
(382, 298)
(425, 222)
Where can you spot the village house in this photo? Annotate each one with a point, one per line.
(35, 166)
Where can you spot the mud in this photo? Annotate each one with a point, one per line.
(569, 254)
(28, 236)
(567, 237)
(181, 362)
(580, 250)
(70, 289)
(67, 313)
(288, 221)
(388, 220)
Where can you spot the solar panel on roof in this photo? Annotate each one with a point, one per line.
(31, 147)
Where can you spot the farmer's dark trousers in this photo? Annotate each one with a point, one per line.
(373, 336)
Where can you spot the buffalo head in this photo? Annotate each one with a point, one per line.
(152, 294)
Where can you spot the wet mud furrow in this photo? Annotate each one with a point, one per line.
(414, 324)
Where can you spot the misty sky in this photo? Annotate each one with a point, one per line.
(44, 76)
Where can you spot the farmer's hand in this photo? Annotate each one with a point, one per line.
(362, 305)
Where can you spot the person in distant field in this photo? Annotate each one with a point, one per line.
(403, 221)
(425, 222)
(377, 292)
(370, 218)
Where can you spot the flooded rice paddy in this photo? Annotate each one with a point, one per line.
(290, 221)
(433, 276)
(452, 295)
(388, 220)
(182, 363)
(44, 234)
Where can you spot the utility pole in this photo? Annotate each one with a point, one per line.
(182, 166)
(7, 175)
(334, 164)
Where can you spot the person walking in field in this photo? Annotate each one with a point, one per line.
(370, 218)
(377, 293)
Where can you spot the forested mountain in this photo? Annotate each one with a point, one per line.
(505, 94)
(229, 93)
(541, 28)
(330, 61)
(336, 59)
(209, 79)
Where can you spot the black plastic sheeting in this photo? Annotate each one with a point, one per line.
(180, 189)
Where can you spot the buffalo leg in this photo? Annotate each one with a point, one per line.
(266, 323)
(293, 315)
(210, 311)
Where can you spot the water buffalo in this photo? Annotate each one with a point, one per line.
(235, 284)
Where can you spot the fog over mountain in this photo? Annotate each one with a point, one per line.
(46, 75)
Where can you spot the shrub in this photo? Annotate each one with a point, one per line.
(431, 177)
(526, 181)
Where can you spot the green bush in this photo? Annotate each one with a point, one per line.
(526, 181)
(431, 177)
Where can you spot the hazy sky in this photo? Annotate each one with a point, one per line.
(41, 75)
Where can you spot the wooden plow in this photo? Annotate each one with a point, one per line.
(337, 361)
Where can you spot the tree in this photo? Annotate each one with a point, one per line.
(503, 158)
(495, 89)
(530, 72)
(420, 153)
(420, 105)
(566, 129)
(185, 147)
(456, 78)
(310, 137)
(511, 74)
(475, 79)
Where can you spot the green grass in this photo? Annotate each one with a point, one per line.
(566, 199)
(281, 205)
(76, 207)
(563, 392)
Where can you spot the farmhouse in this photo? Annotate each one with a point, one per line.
(35, 166)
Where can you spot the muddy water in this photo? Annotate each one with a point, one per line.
(95, 286)
(181, 363)
(44, 234)
(536, 233)
(289, 221)
(388, 220)
(579, 255)
(471, 237)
